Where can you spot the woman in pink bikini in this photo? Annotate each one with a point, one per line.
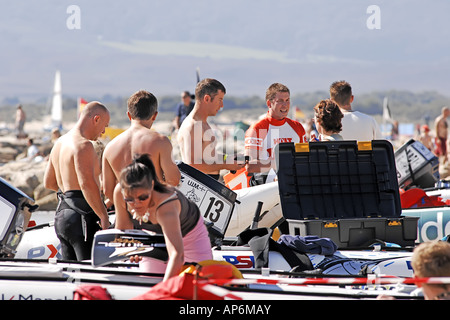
(154, 206)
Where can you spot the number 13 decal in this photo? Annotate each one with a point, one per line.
(214, 209)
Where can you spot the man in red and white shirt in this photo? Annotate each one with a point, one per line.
(262, 137)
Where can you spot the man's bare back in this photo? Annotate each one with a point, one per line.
(69, 149)
(74, 164)
(140, 140)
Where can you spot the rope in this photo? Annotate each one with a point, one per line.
(329, 281)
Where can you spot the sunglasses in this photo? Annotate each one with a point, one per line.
(141, 198)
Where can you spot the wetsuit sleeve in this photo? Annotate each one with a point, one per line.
(255, 135)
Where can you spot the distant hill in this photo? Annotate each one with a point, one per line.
(121, 47)
(405, 106)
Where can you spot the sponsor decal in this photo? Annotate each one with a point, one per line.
(253, 142)
(241, 262)
(434, 226)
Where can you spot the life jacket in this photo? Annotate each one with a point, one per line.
(91, 292)
(184, 287)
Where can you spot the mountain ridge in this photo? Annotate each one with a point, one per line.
(247, 45)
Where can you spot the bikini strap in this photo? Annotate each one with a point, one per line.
(174, 196)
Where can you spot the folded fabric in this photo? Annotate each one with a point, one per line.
(309, 244)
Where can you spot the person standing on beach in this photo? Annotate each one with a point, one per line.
(183, 109)
(142, 110)
(20, 122)
(441, 128)
(196, 139)
(262, 137)
(73, 170)
(355, 125)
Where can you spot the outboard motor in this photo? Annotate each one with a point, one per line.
(15, 211)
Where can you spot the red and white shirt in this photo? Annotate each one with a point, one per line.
(268, 132)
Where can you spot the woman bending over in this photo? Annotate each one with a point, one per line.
(157, 207)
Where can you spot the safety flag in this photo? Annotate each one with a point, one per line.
(299, 113)
(81, 104)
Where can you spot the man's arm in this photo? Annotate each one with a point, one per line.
(196, 147)
(255, 165)
(123, 218)
(108, 178)
(50, 181)
(169, 168)
(436, 126)
(84, 161)
(253, 149)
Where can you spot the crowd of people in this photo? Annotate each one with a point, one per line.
(137, 175)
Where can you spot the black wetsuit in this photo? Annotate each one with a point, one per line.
(75, 225)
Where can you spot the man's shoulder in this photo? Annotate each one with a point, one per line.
(359, 114)
(262, 123)
(293, 122)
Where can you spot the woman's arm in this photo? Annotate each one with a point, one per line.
(123, 219)
(168, 217)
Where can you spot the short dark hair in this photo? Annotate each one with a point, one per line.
(141, 173)
(274, 88)
(209, 87)
(341, 92)
(142, 105)
(329, 115)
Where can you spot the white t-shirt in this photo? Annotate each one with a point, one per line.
(32, 151)
(359, 126)
(268, 132)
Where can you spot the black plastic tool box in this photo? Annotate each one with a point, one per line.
(343, 190)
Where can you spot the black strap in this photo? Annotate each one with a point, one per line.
(295, 259)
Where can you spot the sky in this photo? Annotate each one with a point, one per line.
(114, 47)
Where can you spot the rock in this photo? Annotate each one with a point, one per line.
(48, 202)
(24, 175)
(8, 154)
(10, 148)
(40, 192)
(25, 181)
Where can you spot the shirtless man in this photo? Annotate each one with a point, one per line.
(441, 127)
(139, 139)
(74, 171)
(195, 137)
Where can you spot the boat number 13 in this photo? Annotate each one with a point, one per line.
(214, 209)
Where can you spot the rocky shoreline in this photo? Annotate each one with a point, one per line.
(27, 175)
